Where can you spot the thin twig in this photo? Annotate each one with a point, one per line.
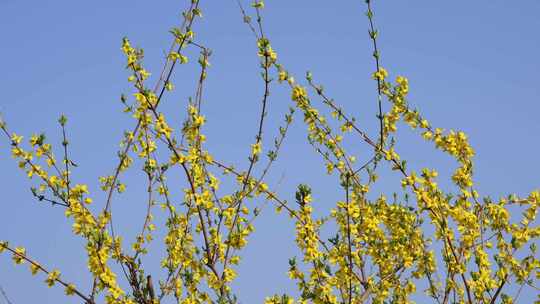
(5, 295)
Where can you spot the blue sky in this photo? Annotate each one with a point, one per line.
(472, 65)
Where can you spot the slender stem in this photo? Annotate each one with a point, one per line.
(38, 266)
(376, 55)
(66, 159)
(499, 289)
(5, 295)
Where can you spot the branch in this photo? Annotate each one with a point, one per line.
(5, 295)
(86, 299)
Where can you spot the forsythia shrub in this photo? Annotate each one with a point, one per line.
(380, 251)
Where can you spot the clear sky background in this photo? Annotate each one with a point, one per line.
(472, 65)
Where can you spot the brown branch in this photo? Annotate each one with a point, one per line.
(376, 55)
(499, 289)
(150, 287)
(5, 295)
(39, 267)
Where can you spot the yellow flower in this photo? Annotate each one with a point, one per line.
(70, 289)
(198, 120)
(16, 139)
(381, 74)
(229, 275)
(402, 80)
(298, 93)
(282, 75)
(256, 148)
(35, 139)
(121, 188)
(52, 277)
(18, 256)
(144, 74)
(34, 268)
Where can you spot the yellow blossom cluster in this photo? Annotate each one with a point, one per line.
(459, 245)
